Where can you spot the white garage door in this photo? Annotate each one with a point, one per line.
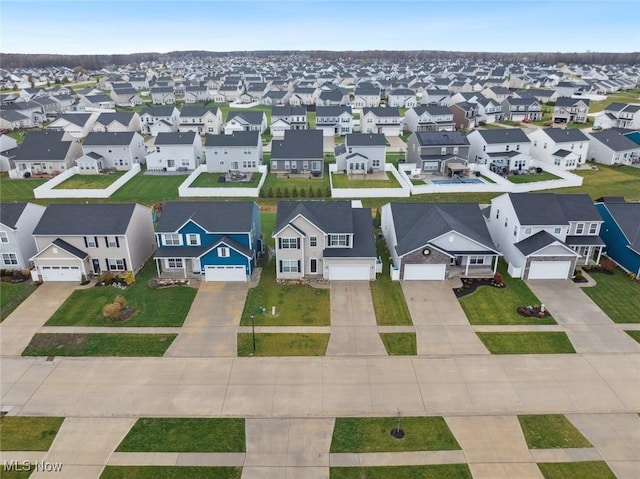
(225, 273)
(60, 273)
(414, 272)
(358, 272)
(549, 269)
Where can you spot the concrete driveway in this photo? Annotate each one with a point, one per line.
(212, 322)
(328, 144)
(396, 145)
(354, 330)
(588, 328)
(17, 330)
(441, 325)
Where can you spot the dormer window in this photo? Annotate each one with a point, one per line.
(338, 240)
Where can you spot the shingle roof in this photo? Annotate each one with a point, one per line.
(109, 138)
(364, 244)
(365, 139)
(122, 117)
(213, 216)
(569, 101)
(433, 110)
(329, 216)
(79, 119)
(332, 110)
(43, 145)
(552, 209)
(175, 138)
(562, 135)
(418, 223)
(536, 242)
(288, 111)
(85, 219)
(381, 111)
(10, 213)
(197, 111)
(251, 117)
(504, 135)
(298, 144)
(158, 111)
(69, 248)
(237, 138)
(436, 138)
(614, 140)
(627, 215)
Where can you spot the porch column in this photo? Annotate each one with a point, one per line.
(466, 269)
(184, 267)
(495, 264)
(158, 266)
(599, 254)
(587, 256)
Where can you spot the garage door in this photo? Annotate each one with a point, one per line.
(549, 269)
(359, 272)
(225, 273)
(413, 272)
(60, 273)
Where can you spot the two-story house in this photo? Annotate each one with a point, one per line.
(160, 118)
(239, 151)
(361, 153)
(521, 109)
(433, 152)
(506, 150)
(334, 120)
(245, 121)
(429, 118)
(436, 241)
(383, 120)
(176, 152)
(117, 121)
(301, 151)
(46, 153)
(88, 238)
(303, 96)
(210, 241)
(119, 150)
(202, 120)
(366, 97)
(545, 235)
(161, 95)
(563, 147)
(324, 239)
(196, 93)
(612, 147)
(125, 96)
(287, 118)
(621, 231)
(402, 98)
(74, 125)
(8, 147)
(17, 222)
(570, 110)
(333, 97)
(619, 115)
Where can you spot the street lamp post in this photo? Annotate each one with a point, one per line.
(253, 331)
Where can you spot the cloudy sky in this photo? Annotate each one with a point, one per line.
(128, 26)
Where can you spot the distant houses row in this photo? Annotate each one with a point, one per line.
(539, 235)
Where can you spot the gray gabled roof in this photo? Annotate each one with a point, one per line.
(69, 248)
(504, 135)
(365, 139)
(298, 144)
(78, 119)
(158, 111)
(553, 209)
(251, 117)
(237, 138)
(213, 216)
(122, 117)
(433, 110)
(562, 135)
(615, 140)
(175, 138)
(85, 219)
(627, 216)
(329, 216)
(569, 101)
(10, 213)
(381, 111)
(437, 138)
(364, 244)
(416, 224)
(288, 111)
(109, 138)
(536, 242)
(43, 145)
(332, 111)
(197, 111)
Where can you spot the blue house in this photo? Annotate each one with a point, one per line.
(621, 231)
(210, 241)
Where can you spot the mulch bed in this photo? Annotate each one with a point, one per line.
(125, 314)
(469, 285)
(533, 312)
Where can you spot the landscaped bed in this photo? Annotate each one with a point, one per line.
(550, 431)
(527, 343)
(90, 182)
(170, 472)
(212, 180)
(98, 344)
(342, 180)
(28, 433)
(283, 344)
(436, 471)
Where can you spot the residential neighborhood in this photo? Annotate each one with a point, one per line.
(317, 266)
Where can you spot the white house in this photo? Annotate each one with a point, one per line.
(287, 118)
(74, 125)
(334, 120)
(240, 151)
(162, 116)
(245, 121)
(429, 118)
(506, 150)
(566, 148)
(361, 153)
(381, 120)
(120, 150)
(17, 222)
(176, 152)
(118, 121)
(202, 120)
(611, 147)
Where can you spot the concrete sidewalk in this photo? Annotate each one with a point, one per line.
(354, 330)
(19, 327)
(211, 326)
(441, 326)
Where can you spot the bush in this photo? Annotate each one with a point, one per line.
(286, 192)
(319, 192)
(303, 193)
(270, 192)
(497, 278)
(311, 195)
(121, 300)
(129, 278)
(111, 310)
(278, 193)
(327, 192)
(106, 277)
(607, 264)
(294, 192)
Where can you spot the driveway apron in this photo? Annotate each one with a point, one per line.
(354, 330)
(441, 325)
(19, 327)
(211, 325)
(588, 328)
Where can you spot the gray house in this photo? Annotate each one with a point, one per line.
(361, 153)
(17, 221)
(299, 152)
(437, 152)
(239, 151)
(120, 150)
(334, 120)
(287, 118)
(46, 153)
(85, 239)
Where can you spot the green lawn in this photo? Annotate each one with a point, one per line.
(575, 470)
(283, 344)
(342, 180)
(437, 471)
(170, 472)
(550, 431)
(28, 433)
(629, 96)
(532, 178)
(388, 299)
(617, 296)
(23, 473)
(296, 305)
(98, 344)
(149, 189)
(400, 344)
(634, 334)
(489, 305)
(90, 181)
(268, 224)
(12, 294)
(156, 434)
(210, 180)
(372, 434)
(527, 343)
(288, 187)
(18, 190)
(608, 181)
(156, 307)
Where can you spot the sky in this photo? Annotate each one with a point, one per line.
(130, 26)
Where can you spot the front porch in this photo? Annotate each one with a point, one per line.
(474, 266)
(178, 268)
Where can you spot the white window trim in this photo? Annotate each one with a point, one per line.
(171, 235)
(178, 263)
(292, 268)
(334, 243)
(223, 252)
(4, 237)
(313, 241)
(289, 243)
(191, 236)
(112, 242)
(113, 264)
(9, 258)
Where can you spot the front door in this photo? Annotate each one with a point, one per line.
(96, 266)
(313, 266)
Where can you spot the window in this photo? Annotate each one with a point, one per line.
(580, 228)
(506, 222)
(289, 243)
(527, 230)
(517, 147)
(455, 150)
(375, 163)
(115, 264)
(91, 241)
(9, 259)
(515, 230)
(497, 213)
(172, 239)
(476, 259)
(112, 242)
(193, 239)
(443, 150)
(339, 240)
(174, 263)
(4, 238)
(593, 228)
(289, 266)
(557, 231)
(313, 241)
(223, 252)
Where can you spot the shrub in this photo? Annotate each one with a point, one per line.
(319, 192)
(111, 310)
(607, 264)
(294, 192)
(327, 192)
(286, 192)
(129, 278)
(303, 193)
(311, 195)
(278, 192)
(270, 192)
(548, 123)
(121, 300)
(497, 278)
(106, 277)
